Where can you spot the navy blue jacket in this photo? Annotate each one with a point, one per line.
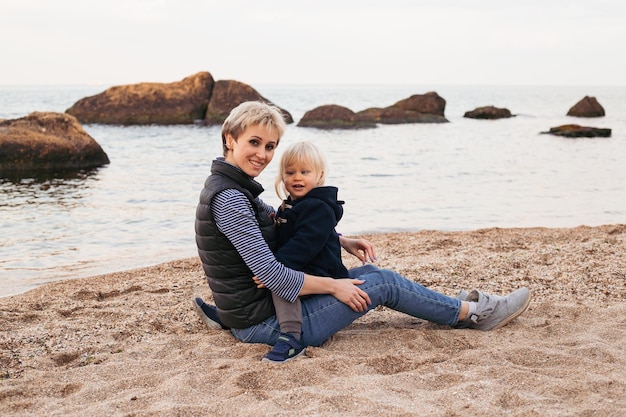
(307, 240)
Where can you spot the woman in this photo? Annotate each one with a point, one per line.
(236, 237)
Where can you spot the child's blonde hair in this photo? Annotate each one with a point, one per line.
(304, 153)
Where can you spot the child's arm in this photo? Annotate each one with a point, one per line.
(361, 248)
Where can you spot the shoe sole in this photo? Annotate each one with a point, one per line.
(206, 319)
(286, 360)
(514, 315)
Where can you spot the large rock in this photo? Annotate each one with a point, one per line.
(586, 107)
(332, 116)
(576, 131)
(47, 142)
(419, 108)
(488, 112)
(228, 94)
(181, 102)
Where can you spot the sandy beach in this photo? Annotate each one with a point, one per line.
(130, 344)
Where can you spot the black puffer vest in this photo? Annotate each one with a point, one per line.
(240, 304)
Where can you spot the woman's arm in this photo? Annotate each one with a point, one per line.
(271, 211)
(345, 290)
(234, 216)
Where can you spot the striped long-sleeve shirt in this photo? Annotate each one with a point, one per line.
(234, 216)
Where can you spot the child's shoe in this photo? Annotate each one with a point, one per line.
(286, 348)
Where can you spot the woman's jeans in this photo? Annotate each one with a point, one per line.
(324, 315)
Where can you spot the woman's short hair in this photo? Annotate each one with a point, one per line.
(252, 113)
(303, 153)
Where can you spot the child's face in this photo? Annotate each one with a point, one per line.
(299, 179)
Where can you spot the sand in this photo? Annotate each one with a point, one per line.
(130, 344)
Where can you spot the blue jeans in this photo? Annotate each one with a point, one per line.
(324, 315)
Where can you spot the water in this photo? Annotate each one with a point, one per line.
(463, 175)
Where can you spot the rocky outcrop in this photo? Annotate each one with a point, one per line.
(228, 94)
(587, 107)
(488, 112)
(181, 102)
(424, 108)
(195, 99)
(332, 116)
(47, 142)
(576, 131)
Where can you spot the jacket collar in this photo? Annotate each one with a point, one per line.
(220, 166)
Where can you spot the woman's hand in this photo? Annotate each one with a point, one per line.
(347, 291)
(361, 248)
(258, 282)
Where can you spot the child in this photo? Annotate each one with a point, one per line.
(307, 240)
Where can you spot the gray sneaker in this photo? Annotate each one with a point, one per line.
(494, 311)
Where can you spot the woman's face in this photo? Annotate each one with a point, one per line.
(253, 150)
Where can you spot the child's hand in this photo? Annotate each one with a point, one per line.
(361, 248)
(258, 282)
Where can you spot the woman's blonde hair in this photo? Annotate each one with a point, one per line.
(252, 113)
(303, 153)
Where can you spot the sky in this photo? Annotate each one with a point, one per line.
(451, 42)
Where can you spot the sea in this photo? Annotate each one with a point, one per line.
(463, 175)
